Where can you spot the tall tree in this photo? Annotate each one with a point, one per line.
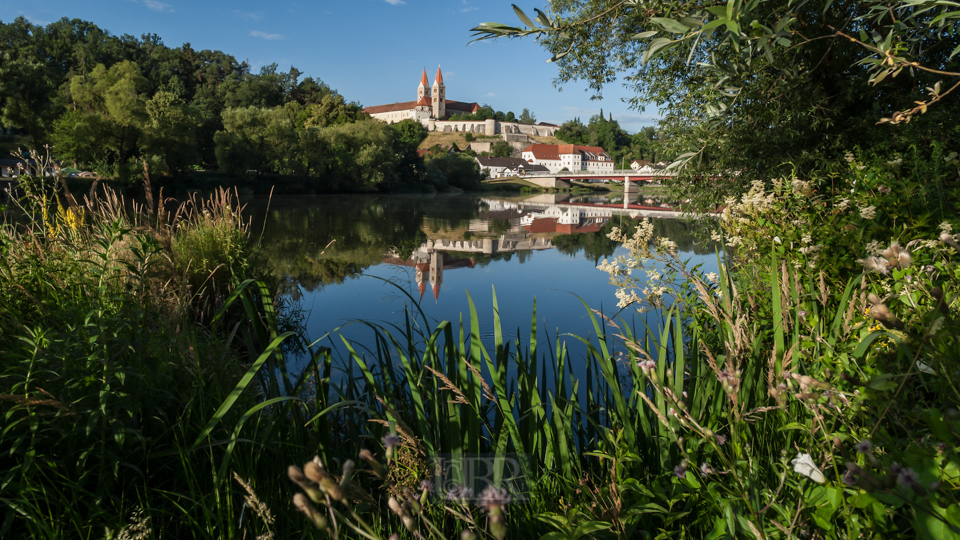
(527, 117)
(764, 87)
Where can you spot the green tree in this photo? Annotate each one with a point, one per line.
(501, 149)
(410, 132)
(458, 170)
(170, 132)
(110, 114)
(527, 117)
(26, 97)
(763, 87)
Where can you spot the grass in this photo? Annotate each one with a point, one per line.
(772, 400)
(446, 139)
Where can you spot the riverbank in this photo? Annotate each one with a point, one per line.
(805, 387)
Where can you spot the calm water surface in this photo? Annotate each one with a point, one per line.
(350, 258)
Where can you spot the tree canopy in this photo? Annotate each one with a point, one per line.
(110, 103)
(762, 87)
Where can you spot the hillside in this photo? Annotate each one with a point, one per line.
(445, 139)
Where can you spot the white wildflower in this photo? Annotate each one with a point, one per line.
(807, 239)
(803, 464)
(842, 205)
(849, 157)
(868, 212)
(777, 239)
(712, 277)
(946, 227)
(874, 247)
(668, 246)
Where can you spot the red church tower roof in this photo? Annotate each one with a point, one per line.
(423, 79)
(439, 78)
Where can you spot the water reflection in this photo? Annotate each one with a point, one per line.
(315, 242)
(329, 249)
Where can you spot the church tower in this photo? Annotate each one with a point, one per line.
(424, 89)
(439, 96)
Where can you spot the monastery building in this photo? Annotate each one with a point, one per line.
(569, 156)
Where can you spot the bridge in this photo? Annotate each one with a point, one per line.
(627, 176)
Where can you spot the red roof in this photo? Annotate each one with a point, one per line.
(553, 225)
(457, 106)
(543, 151)
(439, 78)
(423, 79)
(402, 106)
(554, 151)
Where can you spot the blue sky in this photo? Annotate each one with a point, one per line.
(371, 51)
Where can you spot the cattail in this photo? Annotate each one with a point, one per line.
(378, 469)
(394, 505)
(412, 502)
(331, 488)
(497, 527)
(303, 505)
(882, 314)
(296, 475)
(314, 472)
(408, 522)
(347, 473)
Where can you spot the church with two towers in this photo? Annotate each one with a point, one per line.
(431, 103)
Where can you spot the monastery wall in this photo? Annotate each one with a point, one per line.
(484, 127)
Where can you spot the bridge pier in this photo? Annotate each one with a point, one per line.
(628, 187)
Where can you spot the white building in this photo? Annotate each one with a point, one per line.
(498, 167)
(431, 102)
(570, 157)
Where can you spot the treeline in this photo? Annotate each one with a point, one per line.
(486, 112)
(607, 134)
(112, 103)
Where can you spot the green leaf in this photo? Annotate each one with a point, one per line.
(523, 17)
(656, 46)
(589, 527)
(671, 25)
(933, 524)
(645, 35)
(241, 386)
(542, 17)
(882, 383)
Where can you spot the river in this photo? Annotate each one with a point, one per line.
(369, 258)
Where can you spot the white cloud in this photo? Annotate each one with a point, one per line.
(264, 35)
(247, 16)
(490, 94)
(395, 2)
(155, 5)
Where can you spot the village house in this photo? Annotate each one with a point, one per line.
(644, 166)
(569, 156)
(500, 167)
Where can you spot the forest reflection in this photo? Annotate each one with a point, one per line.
(316, 241)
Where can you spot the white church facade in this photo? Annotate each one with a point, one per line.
(433, 110)
(431, 102)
